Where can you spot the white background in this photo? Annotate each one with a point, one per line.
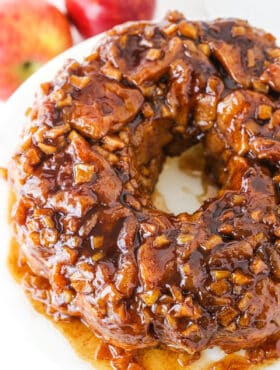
(27, 340)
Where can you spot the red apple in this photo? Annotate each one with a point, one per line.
(95, 16)
(32, 32)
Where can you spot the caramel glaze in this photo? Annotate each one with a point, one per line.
(104, 356)
(88, 161)
(78, 334)
(99, 354)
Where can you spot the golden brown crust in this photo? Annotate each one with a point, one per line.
(90, 157)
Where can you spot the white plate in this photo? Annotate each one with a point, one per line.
(28, 340)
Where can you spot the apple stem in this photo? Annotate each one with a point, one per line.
(27, 68)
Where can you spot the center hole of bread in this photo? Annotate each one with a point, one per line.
(184, 184)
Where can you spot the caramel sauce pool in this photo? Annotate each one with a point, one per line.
(91, 349)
